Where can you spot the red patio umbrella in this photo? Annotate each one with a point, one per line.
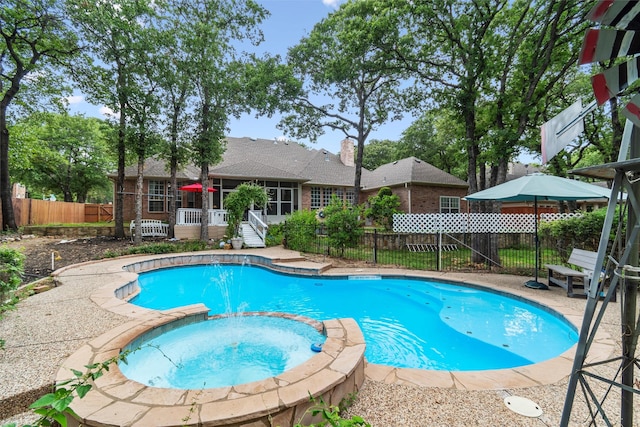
(195, 188)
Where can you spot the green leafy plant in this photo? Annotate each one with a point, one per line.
(237, 202)
(275, 234)
(54, 407)
(382, 206)
(583, 232)
(331, 414)
(11, 269)
(161, 248)
(300, 230)
(343, 224)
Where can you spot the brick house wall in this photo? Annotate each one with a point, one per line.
(423, 198)
(129, 209)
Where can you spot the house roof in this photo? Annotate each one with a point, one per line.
(157, 168)
(268, 159)
(517, 169)
(279, 159)
(410, 170)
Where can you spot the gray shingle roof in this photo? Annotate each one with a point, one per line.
(157, 168)
(410, 170)
(268, 159)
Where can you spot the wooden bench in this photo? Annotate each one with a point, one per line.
(150, 228)
(585, 260)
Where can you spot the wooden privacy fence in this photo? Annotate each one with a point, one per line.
(38, 212)
(97, 212)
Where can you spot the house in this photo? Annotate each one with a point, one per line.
(421, 187)
(295, 177)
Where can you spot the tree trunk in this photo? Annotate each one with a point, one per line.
(204, 220)
(119, 195)
(139, 185)
(358, 178)
(173, 191)
(8, 217)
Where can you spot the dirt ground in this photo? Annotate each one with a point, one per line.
(40, 251)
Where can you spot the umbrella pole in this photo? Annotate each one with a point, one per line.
(534, 283)
(535, 238)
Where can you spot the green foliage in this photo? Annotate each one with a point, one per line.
(11, 269)
(237, 202)
(343, 224)
(331, 414)
(161, 248)
(438, 139)
(379, 152)
(583, 232)
(54, 407)
(382, 207)
(275, 235)
(35, 39)
(300, 230)
(65, 155)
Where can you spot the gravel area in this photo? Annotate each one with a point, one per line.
(48, 327)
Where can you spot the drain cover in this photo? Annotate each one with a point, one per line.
(523, 406)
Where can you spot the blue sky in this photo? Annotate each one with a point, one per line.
(290, 20)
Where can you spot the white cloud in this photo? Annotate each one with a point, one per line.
(332, 3)
(106, 111)
(75, 99)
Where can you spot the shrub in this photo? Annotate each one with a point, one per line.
(11, 269)
(160, 248)
(300, 230)
(343, 224)
(382, 207)
(583, 232)
(275, 234)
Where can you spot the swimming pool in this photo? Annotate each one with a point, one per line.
(407, 323)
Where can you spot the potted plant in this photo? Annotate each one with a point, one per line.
(236, 203)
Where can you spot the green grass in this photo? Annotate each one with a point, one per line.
(519, 260)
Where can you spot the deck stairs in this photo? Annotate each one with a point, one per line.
(251, 238)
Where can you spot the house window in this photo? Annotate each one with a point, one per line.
(315, 198)
(449, 204)
(156, 196)
(327, 192)
(351, 196)
(175, 194)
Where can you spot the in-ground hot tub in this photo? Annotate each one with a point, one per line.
(223, 351)
(333, 373)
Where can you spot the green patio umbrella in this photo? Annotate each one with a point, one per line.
(535, 187)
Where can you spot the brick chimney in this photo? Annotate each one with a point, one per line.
(346, 152)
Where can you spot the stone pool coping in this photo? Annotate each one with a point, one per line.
(283, 400)
(543, 373)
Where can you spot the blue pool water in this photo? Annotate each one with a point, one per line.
(238, 350)
(407, 323)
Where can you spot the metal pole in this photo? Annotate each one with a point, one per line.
(629, 335)
(375, 246)
(537, 241)
(628, 300)
(439, 241)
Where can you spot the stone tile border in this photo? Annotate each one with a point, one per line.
(333, 374)
(544, 373)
